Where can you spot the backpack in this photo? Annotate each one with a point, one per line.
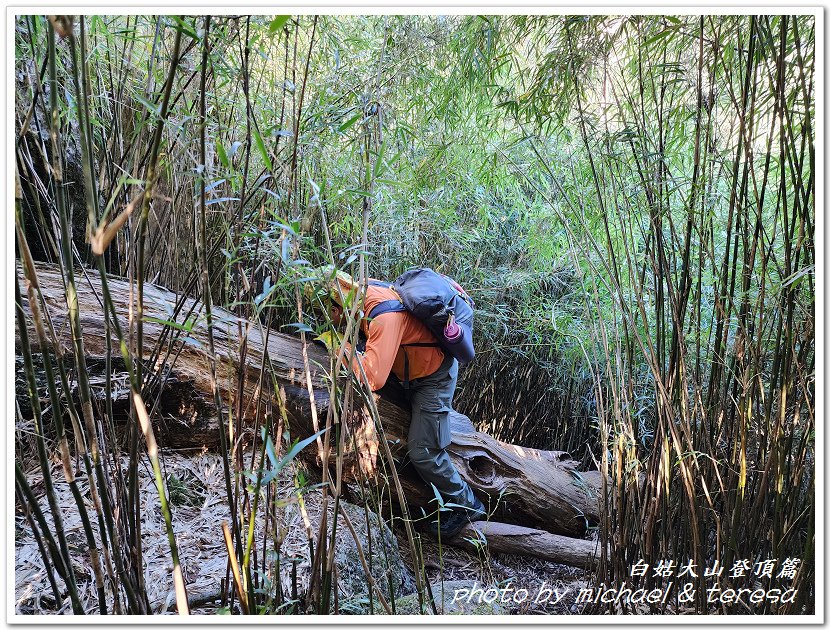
(439, 303)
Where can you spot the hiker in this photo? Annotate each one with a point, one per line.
(400, 346)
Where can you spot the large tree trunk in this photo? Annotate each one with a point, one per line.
(532, 488)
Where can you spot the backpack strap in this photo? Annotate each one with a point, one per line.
(388, 306)
(405, 370)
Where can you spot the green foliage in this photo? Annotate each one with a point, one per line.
(628, 199)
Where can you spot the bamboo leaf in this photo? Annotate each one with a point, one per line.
(346, 125)
(223, 157)
(277, 23)
(221, 200)
(795, 278)
(185, 28)
(299, 327)
(151, 107)
(262, 150)
(296, 448)
(186, 327)
(438, 496)
(380, 162)
(656, 38)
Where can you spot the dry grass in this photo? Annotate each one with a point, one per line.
(199, 490)
(501, 570)
(197, 527)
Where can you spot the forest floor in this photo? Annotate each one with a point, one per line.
(197, 492)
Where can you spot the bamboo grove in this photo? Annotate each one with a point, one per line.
(630, 200)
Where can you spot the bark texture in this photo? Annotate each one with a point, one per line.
(528, 487)
(524, 541)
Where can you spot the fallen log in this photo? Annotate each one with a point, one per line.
(525, 486)
(523, 541)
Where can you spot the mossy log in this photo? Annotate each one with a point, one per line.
(528, 487)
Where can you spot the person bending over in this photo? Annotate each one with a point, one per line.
(401, 347)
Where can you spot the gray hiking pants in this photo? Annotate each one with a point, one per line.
(429, 433)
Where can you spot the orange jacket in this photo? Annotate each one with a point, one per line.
(387, 337)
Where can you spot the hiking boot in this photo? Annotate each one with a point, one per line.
(454, 520)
